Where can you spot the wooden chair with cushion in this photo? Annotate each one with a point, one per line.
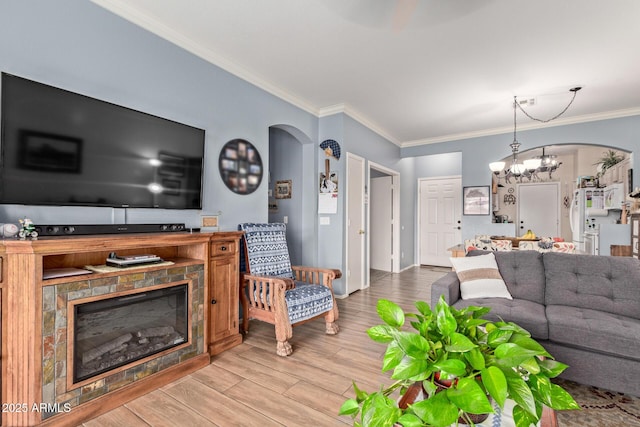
(273, 291)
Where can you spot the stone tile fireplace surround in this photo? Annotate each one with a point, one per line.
(57, 379)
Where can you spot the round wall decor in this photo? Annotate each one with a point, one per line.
(240, 166)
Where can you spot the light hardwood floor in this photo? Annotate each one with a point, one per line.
(250, 386)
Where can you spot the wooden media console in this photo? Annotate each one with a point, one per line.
(37, 382)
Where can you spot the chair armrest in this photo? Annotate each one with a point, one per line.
(316, 276)
(265, 292)
(449, 286)
(268, 282)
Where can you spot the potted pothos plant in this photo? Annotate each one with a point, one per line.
(479, 359)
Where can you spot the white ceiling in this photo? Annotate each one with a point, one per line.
(448, 71)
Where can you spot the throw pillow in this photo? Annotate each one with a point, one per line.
(480, 278)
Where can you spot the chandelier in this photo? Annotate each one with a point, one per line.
(528, 168)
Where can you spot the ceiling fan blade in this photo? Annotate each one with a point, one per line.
(402, 15)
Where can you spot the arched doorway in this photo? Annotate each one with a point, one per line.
(291, 153)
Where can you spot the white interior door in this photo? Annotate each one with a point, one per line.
(381, 222)
(439, 219)
(539, 209)
(355, 277)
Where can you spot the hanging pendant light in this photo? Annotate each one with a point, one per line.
(529, 167)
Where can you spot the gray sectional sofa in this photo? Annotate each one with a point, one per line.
(584, 309)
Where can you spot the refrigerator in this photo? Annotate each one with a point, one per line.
(587, 203)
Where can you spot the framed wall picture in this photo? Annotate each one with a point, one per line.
(475, 200)
(283, 189)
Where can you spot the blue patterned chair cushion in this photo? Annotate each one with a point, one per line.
(268, 254)
(306, 301)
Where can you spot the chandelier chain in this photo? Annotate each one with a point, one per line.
(574, 90)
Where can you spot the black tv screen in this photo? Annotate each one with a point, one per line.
(63, 148)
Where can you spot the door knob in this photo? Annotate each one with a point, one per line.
(360, 231)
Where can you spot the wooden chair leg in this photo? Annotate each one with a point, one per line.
(245, 310)
(284, 332)
(330, 322)
(283, 348)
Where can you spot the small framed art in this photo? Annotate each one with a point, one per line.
(475, 200)
(283, 189)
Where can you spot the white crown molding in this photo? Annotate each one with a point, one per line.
(497, 131)
(357, 116)
(143, 20)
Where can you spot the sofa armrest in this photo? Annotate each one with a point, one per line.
(449, 286)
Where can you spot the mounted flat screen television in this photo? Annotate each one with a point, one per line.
(66, 149)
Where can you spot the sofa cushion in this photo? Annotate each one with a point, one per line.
(479, 277)
(594, 330)
(527, 314)
(523, 272)
(609, 284)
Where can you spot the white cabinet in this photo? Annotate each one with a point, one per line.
(617, 173)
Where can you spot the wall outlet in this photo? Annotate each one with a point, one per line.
(210, 221)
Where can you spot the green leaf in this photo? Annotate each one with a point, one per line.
(436, 411)
(552, 368)
(472, 323)
(429, 387)
(541, 389)
(349, 407)
(410, 420)
(414, 345)
(459, 343)
(381, 333)
(496, 384)
(454, 367)
(379, 411)
(424, 308)
(410, 368)
(469, 396)
(512, 354)
(561, 399)
(520, 392)
(392, 356)
(530, 344)
(531, 365)
(498, 336)
(360, 395)
(445, 321)
(522, 418)
(390, 313)
(475, 359)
